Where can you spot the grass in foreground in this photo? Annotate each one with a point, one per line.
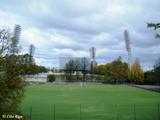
(90, 102)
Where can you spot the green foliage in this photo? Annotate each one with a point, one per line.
(51, 78)
(117, 71)
(153, 76)
(137, 75)
(155, 26)
(70, 67)
(11, 93)
(25, 69)
(149, 77)
(2, 75)
(100, 77)
(101, 69)
(26, 66)
(11, 88)
(157, 71)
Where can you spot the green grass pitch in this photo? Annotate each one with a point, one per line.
(90, 102)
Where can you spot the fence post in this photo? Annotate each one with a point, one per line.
(158, 112)
(116, 112)
(80, 112)
(54, 116)
(30, 113)
(134, 112)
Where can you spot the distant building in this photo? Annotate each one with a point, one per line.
(83, 63)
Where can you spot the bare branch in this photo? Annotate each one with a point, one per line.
(4, 41)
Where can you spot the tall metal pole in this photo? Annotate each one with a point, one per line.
(128, 47)
(92, 55)
(135, 118)
(158, 112)
(54, 115)
(30, 113)
(31, 52)
(80, 112)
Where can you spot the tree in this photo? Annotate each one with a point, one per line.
(153, 76)
(11, 89)
(155, 26)
(157, 71)
(119, 70)
(100, 69)
(70, 68)
(149, 77)
(4, 41)
(136, 72)
(77, 65)
(116, 71)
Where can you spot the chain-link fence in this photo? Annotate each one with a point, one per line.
(93, 112)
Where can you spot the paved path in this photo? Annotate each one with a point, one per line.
(149, 87)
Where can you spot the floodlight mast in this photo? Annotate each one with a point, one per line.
(92, 55)
(15, 41)
(128, 47)
(31, 53)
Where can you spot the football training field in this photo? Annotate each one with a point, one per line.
(90, 102)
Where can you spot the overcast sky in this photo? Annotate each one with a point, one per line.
(70, 27)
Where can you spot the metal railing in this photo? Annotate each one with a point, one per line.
(93, 112)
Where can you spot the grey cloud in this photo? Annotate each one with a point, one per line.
(83, 24)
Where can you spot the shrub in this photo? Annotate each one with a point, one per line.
(51, 78)
(100, 77)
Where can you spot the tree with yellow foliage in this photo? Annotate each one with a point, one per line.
(137, 75)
